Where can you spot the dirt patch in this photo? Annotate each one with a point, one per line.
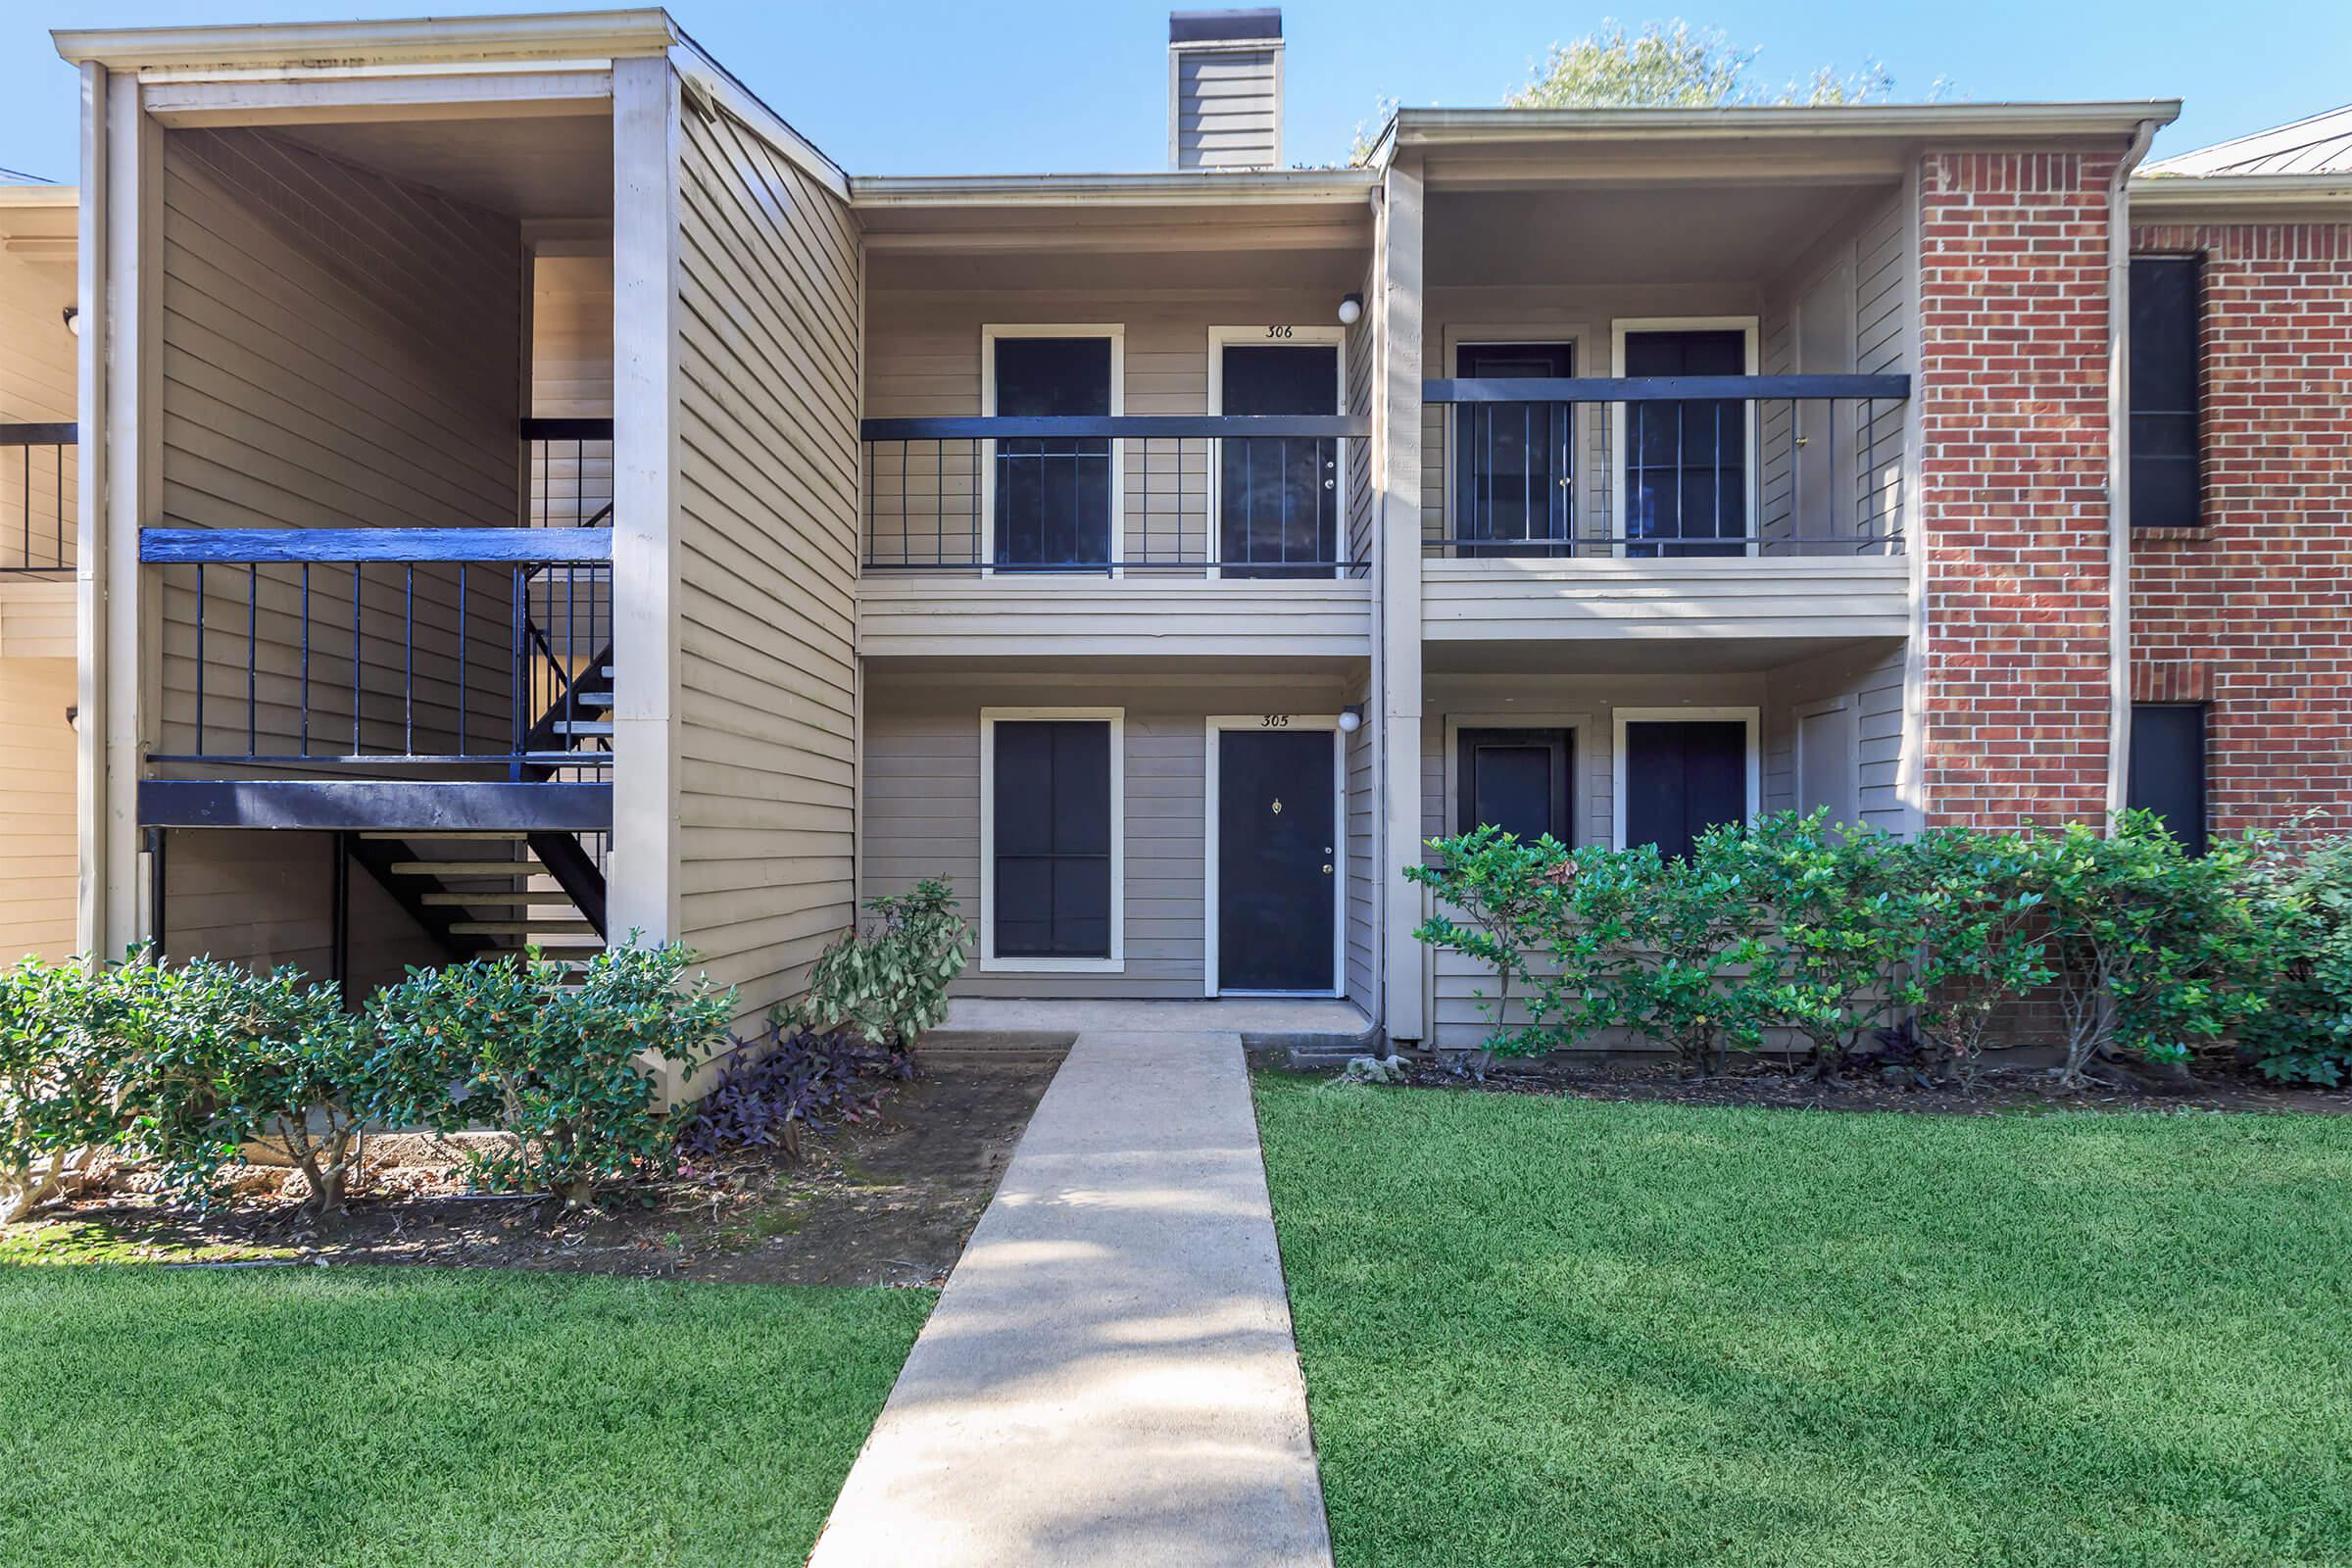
(888, 1202)
(2000, 1091)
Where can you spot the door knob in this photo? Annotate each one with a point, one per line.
(1327, 868)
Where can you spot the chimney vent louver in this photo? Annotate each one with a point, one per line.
(1225, 89)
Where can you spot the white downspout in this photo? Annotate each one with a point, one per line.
(2119, 468)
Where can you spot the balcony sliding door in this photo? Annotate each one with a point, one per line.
(1685, 465)
(1053, 495)
(1514, 473)
(1277, 497)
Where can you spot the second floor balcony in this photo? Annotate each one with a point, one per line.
(1668, 505)
(1113, 535)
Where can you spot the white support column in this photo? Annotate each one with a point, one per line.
(1400, 695)
(117, 634)
(643, 883)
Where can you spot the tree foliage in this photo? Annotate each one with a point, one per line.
(1676, 66)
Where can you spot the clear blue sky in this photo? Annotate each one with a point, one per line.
(951, 87)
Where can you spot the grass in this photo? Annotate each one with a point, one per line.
(1565, 1332)
(421, 1416)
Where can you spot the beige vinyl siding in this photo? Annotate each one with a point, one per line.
(338, 350)
(1771, 596)
(1227, 108)
(267, 898)
(36, 808)
(922, 804)
(571, 379)
(1094, 618)
(1362, 504)
(1870, 680)
(37, 375)
(36, 618)
(765, 517)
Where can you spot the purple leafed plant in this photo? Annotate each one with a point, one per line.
(781, 1084)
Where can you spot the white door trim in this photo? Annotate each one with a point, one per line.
(1622, 717)
(1618, 329)
(1216, 725)
(1263, 335)
(1116, 964)
(1117, 331)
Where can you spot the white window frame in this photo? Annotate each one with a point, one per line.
(1218, 723)
(990, 964)
(1619, 718)
(989, 332)
(1796, 754)
(1579, 415)
(1619, 327)
(1263, 335)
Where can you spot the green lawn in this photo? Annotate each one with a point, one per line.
(419, 1416)
(1568, 1332)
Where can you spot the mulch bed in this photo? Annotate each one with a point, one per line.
(1996, 1092)
(887, 1201)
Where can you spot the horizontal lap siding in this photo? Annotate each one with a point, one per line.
(922, 807)
(1764, 597)
(571, 379)
(36, 808)
(766, 518)
(1367, 880)
(1228, 103)
(37, 379)
(1871, 680)
(1098, 618)
(267, 900)
(339, 350)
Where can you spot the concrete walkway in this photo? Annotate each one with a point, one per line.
(1110, 1376)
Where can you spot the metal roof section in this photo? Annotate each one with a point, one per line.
(2319, 145)
(1225, 26)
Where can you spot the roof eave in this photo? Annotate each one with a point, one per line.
(1431, 127)
(566, 34)
(2155, 195)
(1179, 189)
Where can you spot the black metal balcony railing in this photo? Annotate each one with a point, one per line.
(1240, 494)
(387, 647)
(37, 488)
(1673, 466)
(570, 472)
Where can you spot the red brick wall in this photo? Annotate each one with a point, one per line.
(2252, 612)
(2013, 370)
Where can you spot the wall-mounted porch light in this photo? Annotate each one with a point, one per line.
(1352, 718)
(1351, 309)
(73, 319)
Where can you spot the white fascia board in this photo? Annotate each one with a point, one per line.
(1187, 188)
(2281, 195)
(310, 45)
(1427, 127)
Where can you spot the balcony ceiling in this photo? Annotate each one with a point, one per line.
(533, 168)
(1670, 234)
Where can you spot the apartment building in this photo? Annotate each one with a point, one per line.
(528, 491)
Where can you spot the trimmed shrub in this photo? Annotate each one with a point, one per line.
(560, 1058)
(1979, 943)
(54, 1110)
(2303, 909)
(888, 979)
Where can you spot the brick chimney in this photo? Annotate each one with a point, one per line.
(1225, 88)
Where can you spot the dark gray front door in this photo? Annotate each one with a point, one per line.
(1277, 497)
(1276, 860)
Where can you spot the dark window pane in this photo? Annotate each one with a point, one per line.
(1682, 777)
(1052, 803)
(2165, 436)
(1686, 480)
(1053, 495)
(1516, 780)
(2167, 768)
(1513, 471)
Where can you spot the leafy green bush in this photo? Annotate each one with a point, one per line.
(2155, 949)
(888, 980)
(2303, 908)
(1671, 950)
(1979, 945)
(562, 1062)
(54, 1110)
